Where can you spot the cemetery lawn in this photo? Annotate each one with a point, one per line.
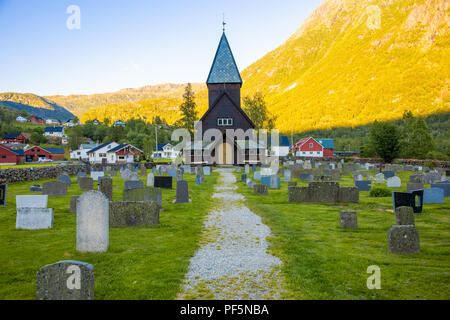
(141, 262)
(323, 261)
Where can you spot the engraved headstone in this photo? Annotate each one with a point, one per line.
(412, 199)
(73, 204)
(404, 216)
(65, 280)
(348, 219)
(105, 186)
(64, 178)
(150, 180)
(54, 188)
(260, 189)
(130, 184)
(133, 213)
(182, 195)
(148, 194)
(96, 174)
(403, 239)
(394, 182)
(433, 195)
(163, 182)
(198, 180)
(86, 183)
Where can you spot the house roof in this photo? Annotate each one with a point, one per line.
(53, 129)
(89, 146)
(284, 141)
(224, 68)
(99, 147)
(326, 143)
(11, 136)
(121, 146)
(161, 146)
(54, 150)
(18, 152)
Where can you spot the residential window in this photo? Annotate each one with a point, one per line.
(310, 145)
(310, 152)
(318, 152)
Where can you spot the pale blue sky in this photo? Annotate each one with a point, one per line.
(132, 43)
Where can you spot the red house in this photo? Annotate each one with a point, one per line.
(14, 138)
(36, 119)
(310, 147)
(32, 154)
(10, 156)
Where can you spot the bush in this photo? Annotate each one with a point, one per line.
(379, 192)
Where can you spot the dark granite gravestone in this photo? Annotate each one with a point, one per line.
(388, 174)
(403, 239)
(198, 180)
(65, 178)
(444, 186)
(254, 167)
(348, 219)
(305, 176)
(65, 280)
(86, 183)
(348, 194)
(363, 185)
(105, 186)
(3, 189)
(163, 182)
(260, 189)
(404, 216)
(133, 213)
(36, 188)
(147, 194)
(243, 177)
(133, 184)
(73, 204)
(54, 188)
(407, 199)
(182, 192)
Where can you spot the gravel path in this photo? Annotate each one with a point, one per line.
(233, 261)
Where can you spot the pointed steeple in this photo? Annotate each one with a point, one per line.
(224, 68)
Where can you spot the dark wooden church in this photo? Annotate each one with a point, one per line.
(224, 89)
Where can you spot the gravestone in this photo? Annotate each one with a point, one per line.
(257, 175)
(394, 182)
(31, 201)
(388, 174)
(172, 173)
(363, 185)
(179, 175)
(243, 177)
(96, 174)
(86, 183)
(265, 180)
(260, 189)
(254, 167)
(163, 182)
(143, 171)
(250, 183)
(133, 177)
(431, 177)
(198, 180)
(34, 218)
(274, 182)
(417, 178)
(407, 199)
(305, 177)
(150, 180)
(65, 280)
(413, 186)
(292, 184)
(287, 175)
(73, 204)
(133, 184)
(154, 170)
(348, 194)
(403, 239)
(133, 213)
(207, 171)
(379, 178)
(92, 222)
(444, 186)
(125, 174)
(238, 169)
(54, 188)
(36, 188)
(404, 216)
(148, 194)
(182, 192)
(65, 178)
(105, 186)
(80, 175)
(348, 219)
(433, 195)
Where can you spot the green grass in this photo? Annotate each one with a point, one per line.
(324, 261)
(141, 262)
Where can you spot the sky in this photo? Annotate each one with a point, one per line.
(132, 43)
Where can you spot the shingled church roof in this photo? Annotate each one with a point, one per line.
(224, 68)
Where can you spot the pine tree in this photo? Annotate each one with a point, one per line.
(188, 110)
(385, 140)
(421, 140)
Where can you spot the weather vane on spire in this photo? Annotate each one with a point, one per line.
(223, 22)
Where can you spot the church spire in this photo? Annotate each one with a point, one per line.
(224, 68)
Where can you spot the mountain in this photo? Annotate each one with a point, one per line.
(34, 105)
(79, 104)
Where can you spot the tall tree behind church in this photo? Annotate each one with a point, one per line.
(188, 110)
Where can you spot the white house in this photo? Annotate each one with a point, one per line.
(282, 150)
(52, 122)
(165, 151)
(21, 119)
(119, 123)
(124, 153)
(99, 153)
(54, 132)
(81, 153)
